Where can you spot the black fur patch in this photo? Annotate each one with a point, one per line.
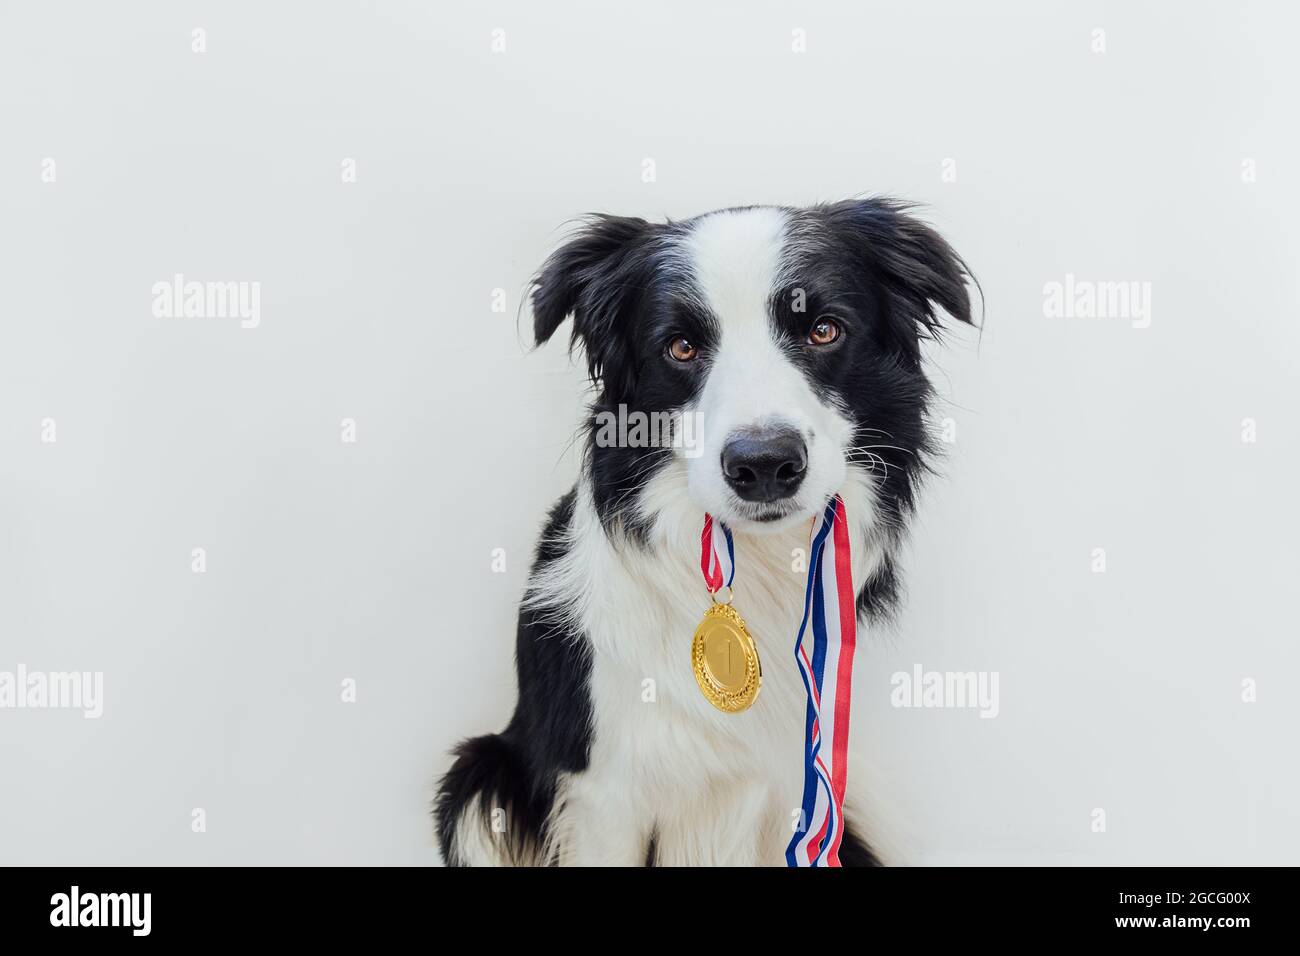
(882, 276)
(550, 733)
(854, 850)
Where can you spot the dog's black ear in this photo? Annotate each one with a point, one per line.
(591, 277)
(914, 261)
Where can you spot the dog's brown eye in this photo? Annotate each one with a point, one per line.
(682, 350)
(824, 332)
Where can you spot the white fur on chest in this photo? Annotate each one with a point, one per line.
(711, 788)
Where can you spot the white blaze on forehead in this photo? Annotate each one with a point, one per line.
(736, 259)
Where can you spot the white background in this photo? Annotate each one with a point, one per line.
(371, 560)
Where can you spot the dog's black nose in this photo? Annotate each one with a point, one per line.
(765, 464)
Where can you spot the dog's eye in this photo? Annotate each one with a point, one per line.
(824, 332)
(682, 350)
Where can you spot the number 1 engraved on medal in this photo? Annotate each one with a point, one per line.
(722, 658)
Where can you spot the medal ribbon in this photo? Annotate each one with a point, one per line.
(717, 555)
(830, 616)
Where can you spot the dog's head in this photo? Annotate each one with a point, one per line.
(782, 344)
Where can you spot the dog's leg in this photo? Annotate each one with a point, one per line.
(725, 824)
(597, 824)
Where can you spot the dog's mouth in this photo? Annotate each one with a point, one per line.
(765, 517)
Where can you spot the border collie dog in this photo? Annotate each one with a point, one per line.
(793, 337)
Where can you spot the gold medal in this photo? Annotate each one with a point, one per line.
(725, 659)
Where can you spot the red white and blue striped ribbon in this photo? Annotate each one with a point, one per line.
(717, 555)
(830, 614)
(830, 618)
